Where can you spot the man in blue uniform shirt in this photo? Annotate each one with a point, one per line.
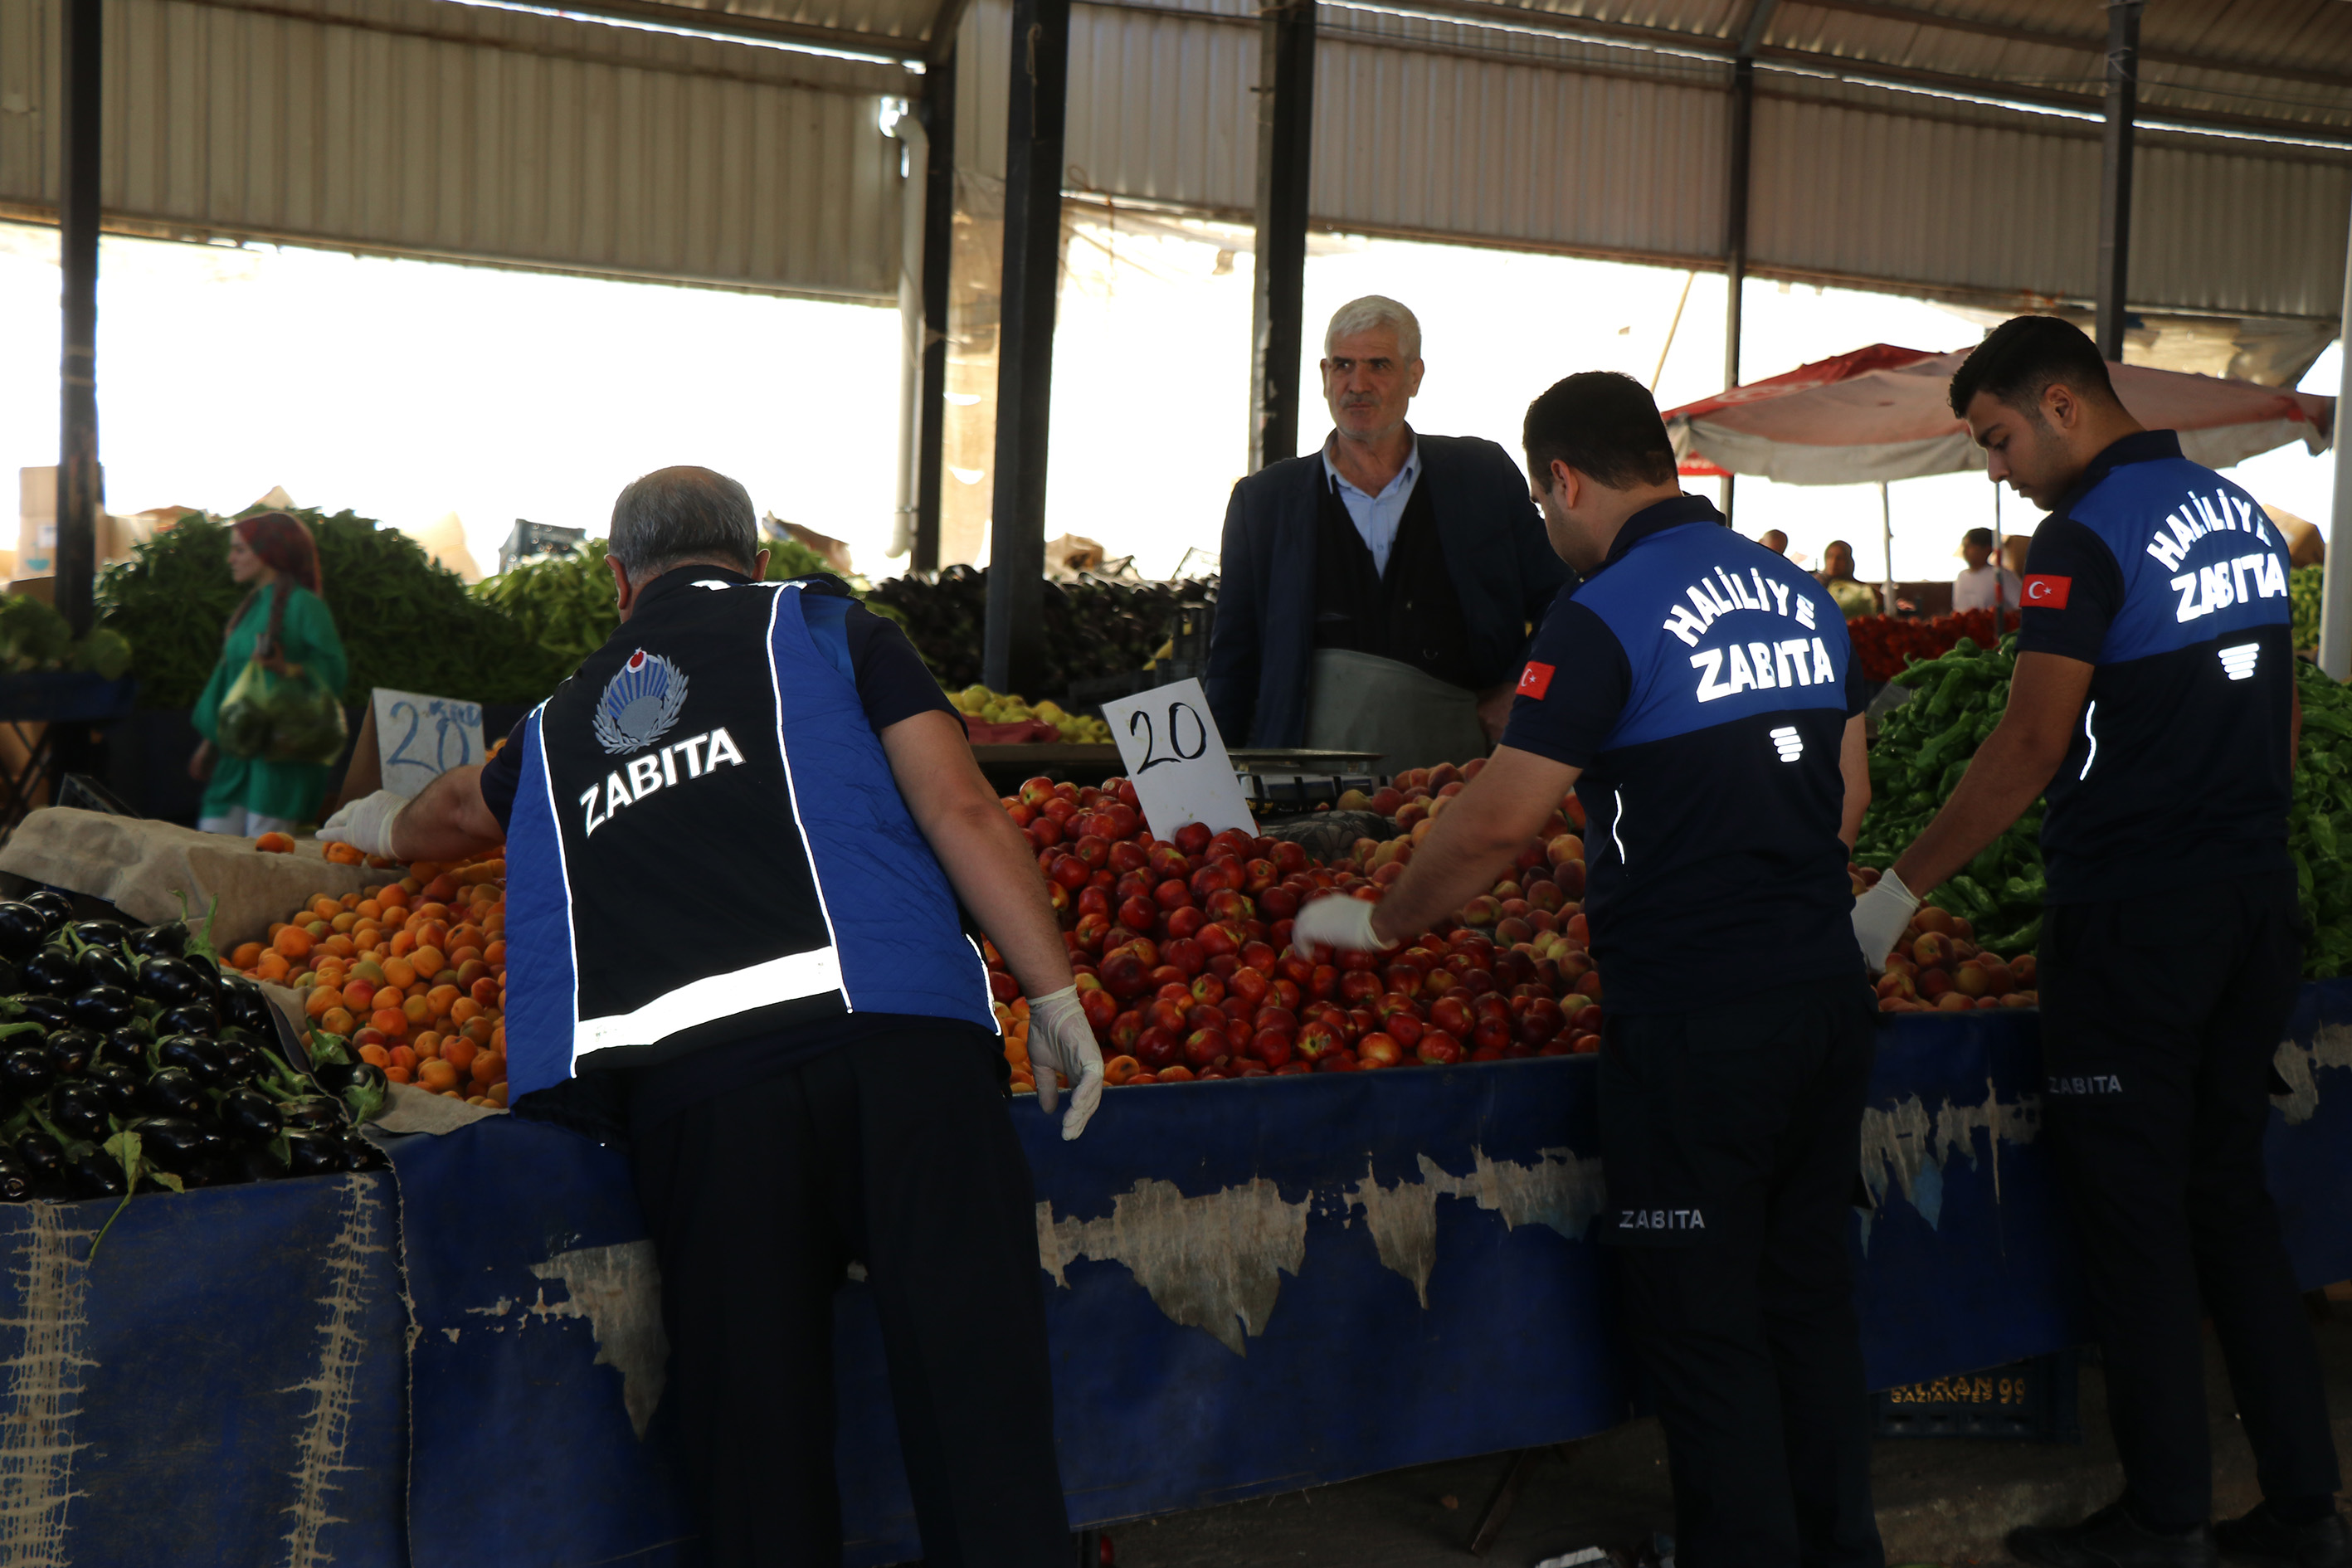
(1694, 691)
(738, 838)
(2155, 707)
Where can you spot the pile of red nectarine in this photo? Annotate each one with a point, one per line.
(1937, 966)
(1182, 949)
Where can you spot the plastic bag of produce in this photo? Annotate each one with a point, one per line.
(308, 724)
(244, 723)
(290, 718)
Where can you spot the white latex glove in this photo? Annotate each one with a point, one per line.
(366, 824)
(1879, 917)
(1337, 922)
(1061, 1040)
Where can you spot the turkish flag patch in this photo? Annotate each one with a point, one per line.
(1535, 680)
(2046, 592)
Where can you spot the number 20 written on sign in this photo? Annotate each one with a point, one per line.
(1168, 738)
(420, 737)
(1139, 722)
(445, 725)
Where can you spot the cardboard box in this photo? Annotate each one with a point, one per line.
(36, 526)
(37, 522)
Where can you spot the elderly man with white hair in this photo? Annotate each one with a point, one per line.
(1378, 595)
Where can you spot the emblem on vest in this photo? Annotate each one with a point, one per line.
(1661, 1219)
(640, 703)
(2086, 1083)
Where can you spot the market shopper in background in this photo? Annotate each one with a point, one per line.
(1694, 691)
(1773, 540)
(2154, 667)
(1376, 596)
(736, 841)
(1836, 577)
(284, 623)
(1980, 585)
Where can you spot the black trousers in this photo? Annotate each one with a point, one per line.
(898, 1152)
(1731, 1140)
(2159, 1066)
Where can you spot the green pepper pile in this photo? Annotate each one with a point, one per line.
(2319, 828)
(1924, 745)
(2303, 586)
(563, 604)
(406, 622)
(1923, 748)
(171, 599)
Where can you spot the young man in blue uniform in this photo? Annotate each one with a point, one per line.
(2154, 680)
(737, 841)
(1694, 689)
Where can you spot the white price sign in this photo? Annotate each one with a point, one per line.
(1169, 741)
(419, 738)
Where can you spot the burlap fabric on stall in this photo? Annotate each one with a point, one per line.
(138, 866)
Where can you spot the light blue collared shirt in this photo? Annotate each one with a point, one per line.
(1376, 517)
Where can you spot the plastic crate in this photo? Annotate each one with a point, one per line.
(2034, 1400)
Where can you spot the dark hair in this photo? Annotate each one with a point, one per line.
(674, 515)
(1602, 424)
(2024, 357)
(1978, 536)
(285, 547)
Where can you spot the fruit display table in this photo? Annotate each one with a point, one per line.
(1252, 1287)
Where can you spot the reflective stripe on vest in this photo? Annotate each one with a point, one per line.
(707, 1000)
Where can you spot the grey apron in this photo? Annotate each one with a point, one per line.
(1359, 702)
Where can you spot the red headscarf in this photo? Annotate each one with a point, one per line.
(287, 548)
(284, 545)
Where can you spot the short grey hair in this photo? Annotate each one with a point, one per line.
(1375, 311)
(674, 515)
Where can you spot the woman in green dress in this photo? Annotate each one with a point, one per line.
(283, 622)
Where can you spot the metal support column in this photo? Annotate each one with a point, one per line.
(1285, 136)
(1738, 168)
(2336, 593)
(78, 485)
(2115, 173)
(937, 110)
(1014, 648)
(1886, 538)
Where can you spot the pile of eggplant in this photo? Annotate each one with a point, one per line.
(127, 1060)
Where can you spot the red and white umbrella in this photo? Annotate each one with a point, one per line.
(1882, 412)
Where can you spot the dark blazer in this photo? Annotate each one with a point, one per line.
(1503, 568)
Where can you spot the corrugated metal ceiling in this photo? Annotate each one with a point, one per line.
(422, 128)
(2278, 65)
(1455, 129)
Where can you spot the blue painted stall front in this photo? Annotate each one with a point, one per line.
(1254, 1287)
(1251, 1288)
(221, 1384)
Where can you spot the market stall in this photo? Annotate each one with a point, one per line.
(1253, 1288)
(1333, 1219)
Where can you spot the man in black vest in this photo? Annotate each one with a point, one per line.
(747, 925)
(1377, 596)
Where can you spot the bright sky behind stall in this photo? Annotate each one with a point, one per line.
(406, 390)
